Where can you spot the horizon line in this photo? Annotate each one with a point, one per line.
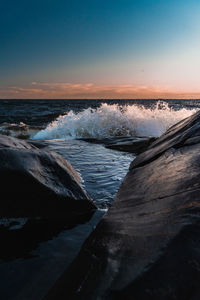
(103, 99)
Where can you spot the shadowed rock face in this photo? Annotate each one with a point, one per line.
(148, 245)
(38, 183)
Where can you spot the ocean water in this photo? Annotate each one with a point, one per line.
(64, 126)
(39, 113)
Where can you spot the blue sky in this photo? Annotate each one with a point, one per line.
(146, 44)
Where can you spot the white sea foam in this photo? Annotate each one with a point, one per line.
(114, 120)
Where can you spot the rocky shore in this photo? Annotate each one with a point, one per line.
(41, 195)
(147, 246)
(39, 183)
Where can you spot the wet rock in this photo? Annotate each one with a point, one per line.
(134, 144)
(23, 235)
(20, 131)
(39, 183)
(148, 245)
(175, 137)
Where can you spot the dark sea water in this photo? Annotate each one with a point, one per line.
(40, 112)
(64, 127)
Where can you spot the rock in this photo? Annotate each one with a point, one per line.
(175, 137)
(21, 130)
(134, 144)
(39, 183)
(147, 247)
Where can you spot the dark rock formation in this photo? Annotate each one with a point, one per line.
(148, 245)
(38, 183)
(134, 144)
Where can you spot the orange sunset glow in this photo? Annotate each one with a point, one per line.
(91, 91)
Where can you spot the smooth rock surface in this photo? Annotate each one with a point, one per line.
(148, 244)
(134, 145)
(39, 183)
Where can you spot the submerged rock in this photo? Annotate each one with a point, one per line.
(39, 183)
(148, 245)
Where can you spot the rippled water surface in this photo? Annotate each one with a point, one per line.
(101, 169)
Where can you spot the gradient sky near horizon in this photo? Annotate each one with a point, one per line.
(100, 49)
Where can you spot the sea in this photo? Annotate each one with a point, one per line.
(76, 129)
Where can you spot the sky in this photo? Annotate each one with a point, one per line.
(55, 49)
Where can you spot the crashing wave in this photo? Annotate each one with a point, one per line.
(114, 121)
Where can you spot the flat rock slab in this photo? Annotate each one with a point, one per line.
(133, 144)
(148, 244)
